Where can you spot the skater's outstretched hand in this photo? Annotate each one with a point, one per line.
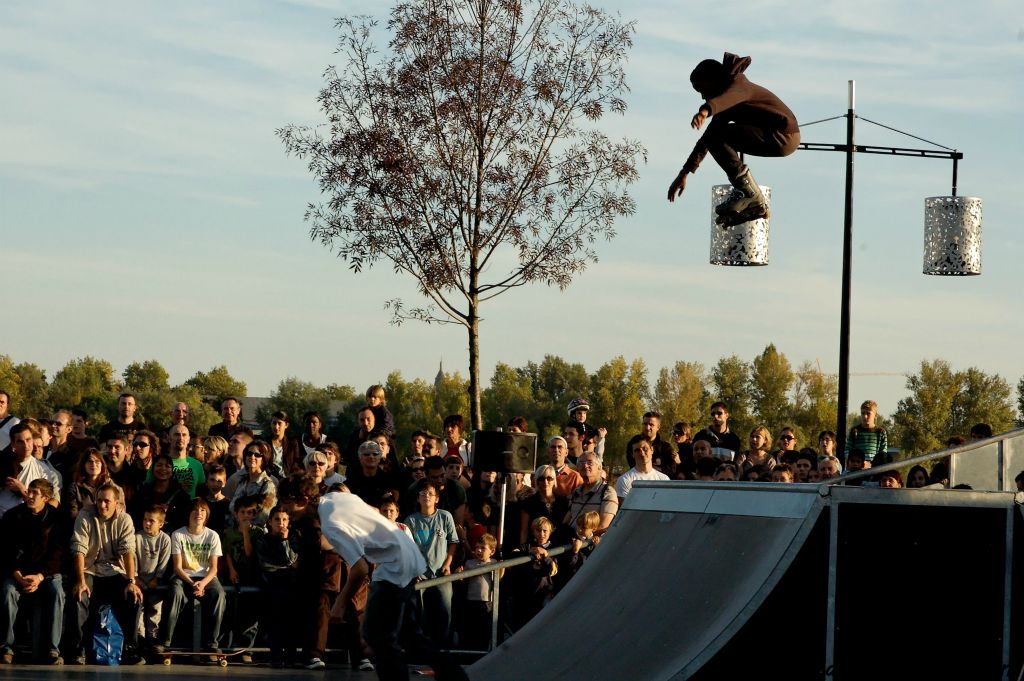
(675, 190)
(698, 118)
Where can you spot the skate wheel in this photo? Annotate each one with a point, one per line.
(222, 662)
(167, 662)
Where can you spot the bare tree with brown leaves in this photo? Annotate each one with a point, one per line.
(468, 155)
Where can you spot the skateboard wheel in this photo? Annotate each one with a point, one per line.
(167, 661)
(222, 662)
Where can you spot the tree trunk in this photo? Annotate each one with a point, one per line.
(476, 418)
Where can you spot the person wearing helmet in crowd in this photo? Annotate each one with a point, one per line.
(578, 411)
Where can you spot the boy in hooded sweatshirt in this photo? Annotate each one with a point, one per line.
(745, 118)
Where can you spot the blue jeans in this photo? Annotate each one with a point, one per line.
(437, 613)
(391, 628)
(213, 600)
(47, 614)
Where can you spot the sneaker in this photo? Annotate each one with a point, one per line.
(54, 658)
(245, 658)
(214, 654)
(365, 665)
(315, 663)
(158, 648)
(7, 657)
(80, 659)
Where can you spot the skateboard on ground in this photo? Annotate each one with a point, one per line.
(220, 659)
(732, 219)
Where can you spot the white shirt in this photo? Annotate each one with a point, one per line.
(53, 476)
(625, 482)
(309, 450)
(357, 530)
(196, 550)
(31, 469)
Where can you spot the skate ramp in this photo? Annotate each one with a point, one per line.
(684, 567)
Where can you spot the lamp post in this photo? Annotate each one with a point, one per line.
(844, 309)
(952, 235)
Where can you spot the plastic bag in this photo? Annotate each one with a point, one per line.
(108, 639)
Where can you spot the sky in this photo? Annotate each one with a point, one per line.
(148, 211)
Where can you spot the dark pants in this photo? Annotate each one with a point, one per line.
(318, 619)
(278, 603)
(727, 141)
(242, 625)
(392, 630)
(437, 614)
(475, 629)
(104, 591)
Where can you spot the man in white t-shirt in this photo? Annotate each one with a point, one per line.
(643, 456)
(361, 536)
(19, 468)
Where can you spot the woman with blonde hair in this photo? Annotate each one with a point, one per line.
(543, 503)
(760, 441)
(215, 448)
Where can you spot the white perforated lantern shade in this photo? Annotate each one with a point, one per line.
(952, 235)
(740, 245)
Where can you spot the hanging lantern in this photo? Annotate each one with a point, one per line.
(741, 245)
(952, 235)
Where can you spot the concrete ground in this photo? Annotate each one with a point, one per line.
(179, 671)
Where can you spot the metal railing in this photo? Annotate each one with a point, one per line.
(493, 568)
(954, 454)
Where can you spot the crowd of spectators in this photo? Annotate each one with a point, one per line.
(147, 521)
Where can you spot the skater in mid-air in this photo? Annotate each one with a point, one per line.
(745, 118)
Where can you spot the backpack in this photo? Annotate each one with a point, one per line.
(107, 639)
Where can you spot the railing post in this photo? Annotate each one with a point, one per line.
(1008, 587)
(501, 516)
(830, 607)
(1003, 480)
(495, 599)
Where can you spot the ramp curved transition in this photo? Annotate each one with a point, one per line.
(682, 569)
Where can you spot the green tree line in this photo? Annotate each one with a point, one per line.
(764, 390)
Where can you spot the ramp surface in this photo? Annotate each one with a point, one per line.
(683, 568)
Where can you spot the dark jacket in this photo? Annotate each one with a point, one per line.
(33, 543)
(660, 448)
(224, 430)
(319, 570)
(277, 557)
(175, 499)
(726, 440)
(383, 420)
